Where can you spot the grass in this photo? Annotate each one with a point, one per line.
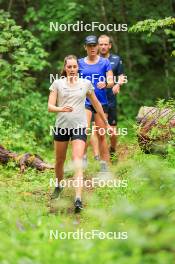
(145, 210)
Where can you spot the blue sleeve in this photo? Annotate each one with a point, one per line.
(108, 65)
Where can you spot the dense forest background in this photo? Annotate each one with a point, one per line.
(30, 52)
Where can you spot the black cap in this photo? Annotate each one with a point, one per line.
(91, 40)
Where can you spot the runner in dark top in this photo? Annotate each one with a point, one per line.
(117, 68)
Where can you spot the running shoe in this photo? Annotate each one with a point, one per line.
(78, 205)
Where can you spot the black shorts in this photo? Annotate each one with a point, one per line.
(65, 134)
(92, 109)
(112, 115)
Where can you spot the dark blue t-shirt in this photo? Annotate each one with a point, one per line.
(117, 68)
(95, 73)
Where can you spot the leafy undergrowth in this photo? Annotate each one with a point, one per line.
(143, 211)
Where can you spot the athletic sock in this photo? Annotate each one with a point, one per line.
(77, 198)
(85, 162)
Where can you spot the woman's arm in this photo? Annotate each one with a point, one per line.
(52, 104)
(109, 81)
(121, 80)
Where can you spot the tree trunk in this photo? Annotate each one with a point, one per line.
(155, 129)
(23, 161)
(104, 16)
(126, 37)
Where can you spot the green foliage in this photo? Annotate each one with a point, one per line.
(151, 25)
(63, 12)
(144, 209)
(21, 53)
(29, 117)
(147, 63)
(158, 31)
